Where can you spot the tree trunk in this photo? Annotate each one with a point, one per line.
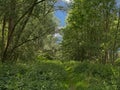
(11, 22)
(3, 38)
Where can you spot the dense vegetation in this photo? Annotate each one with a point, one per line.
(92, 31)
(86, 56)
(56, 75)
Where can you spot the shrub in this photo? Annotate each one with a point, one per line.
(92, 76)
(46, 76)
(11, 76)
(35, 76)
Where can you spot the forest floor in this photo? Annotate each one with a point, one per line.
(57, 75)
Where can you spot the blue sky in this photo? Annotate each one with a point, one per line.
(61, 15)
(118, 3)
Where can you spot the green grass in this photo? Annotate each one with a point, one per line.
(57, 75)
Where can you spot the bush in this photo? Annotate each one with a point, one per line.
(11, 76)
(46, 76)
(92, 76)
(56, 75)
(117, 62)
(36, 76)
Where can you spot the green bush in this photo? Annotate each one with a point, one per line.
(46, 76)
(36, 76)
(117, 62)
(56, 75)
(92, 76)
(11, 76)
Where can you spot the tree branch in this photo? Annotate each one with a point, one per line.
(29, 10)
(35, 38)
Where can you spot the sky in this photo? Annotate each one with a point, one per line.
(60, 14)
(118, 3)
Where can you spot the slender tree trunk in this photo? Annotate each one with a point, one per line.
(11, 22)
(72, 87)
(106, 30)
(115, 39)
(3, 38)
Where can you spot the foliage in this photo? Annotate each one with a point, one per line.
(92, 76)
(91, 31)
(24, 26)
(38, 76)
(27, 33)
(57, 75)
(117, 61)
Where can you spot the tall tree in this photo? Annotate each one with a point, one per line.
(16, 20)
(88, 33)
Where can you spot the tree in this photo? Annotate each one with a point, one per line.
(88, 32)
(16, 19)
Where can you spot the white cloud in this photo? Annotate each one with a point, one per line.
(68, 1)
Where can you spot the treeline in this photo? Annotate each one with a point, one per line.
(28, 27)
(92, 31)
